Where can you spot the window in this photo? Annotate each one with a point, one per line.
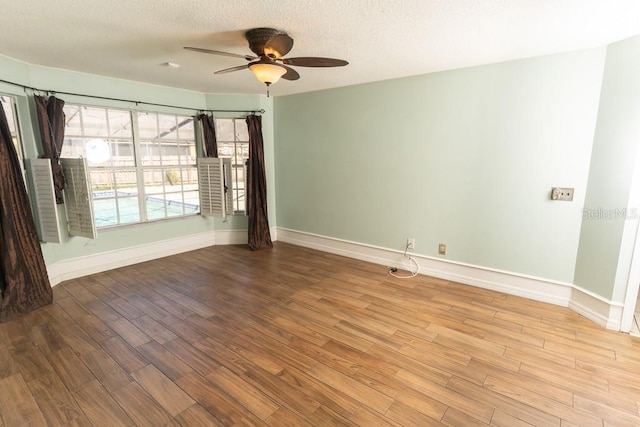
(233, 143)
(142, 165)
(9, 106)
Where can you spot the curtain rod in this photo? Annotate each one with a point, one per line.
(261, 111)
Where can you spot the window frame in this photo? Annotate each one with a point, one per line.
(238, 161)
(16, 135)
(134, 164)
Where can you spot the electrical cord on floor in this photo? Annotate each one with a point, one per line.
(414, 268)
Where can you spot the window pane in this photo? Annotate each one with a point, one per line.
(185, 129)
(150, 153)
(126, 182)
(189, 178)
(238, 194)
(94, 121)
(168, 127)
(239, 201)
(109, 211)
(225, 130)
(175, 204)
(164, 186)
(226, 149)
(112, 144)
(190, 188)
(233, 143)
(147, 125)
(122, 153)
(120, 124)
(154, 180)
(156, 208)
(8, 104)
(102, 183)
(105, 211)
(174, 180)
(242, 131)
(243, 151)
(169, 152)
(129, 210)
(187, 153)
(115, 198)
(107, 183)
(167, 145)
(239, 170)
(73, 126)
(97, 151)
(71, 147)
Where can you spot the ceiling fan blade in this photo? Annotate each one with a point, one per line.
(291, 74)
(278, 46)
(313, 61)
(217, 52)
(229, 70)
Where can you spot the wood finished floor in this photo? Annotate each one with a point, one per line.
(295, 337)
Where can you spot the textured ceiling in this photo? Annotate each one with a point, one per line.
(132, 39)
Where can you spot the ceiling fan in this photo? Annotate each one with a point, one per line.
(268, 64)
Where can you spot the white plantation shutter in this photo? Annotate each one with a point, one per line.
(77, 198)
(47, 212)
(245, 189)
(228, 196)
(211, 186)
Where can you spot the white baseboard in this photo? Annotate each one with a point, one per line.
(231, 237)
(588, 304)
(596, 308)
(103, 261)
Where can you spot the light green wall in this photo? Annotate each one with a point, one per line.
(604, 257)
(465, 157)
(68, 81)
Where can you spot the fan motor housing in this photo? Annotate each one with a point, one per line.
(258, 37)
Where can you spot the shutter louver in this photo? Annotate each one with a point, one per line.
(228, 186)
(46, 208)
(77, 199)
(211, 186)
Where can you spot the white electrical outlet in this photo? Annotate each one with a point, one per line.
(442, 249)
(562, 193)
(411, 243)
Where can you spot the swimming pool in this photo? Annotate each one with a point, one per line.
(121, 207)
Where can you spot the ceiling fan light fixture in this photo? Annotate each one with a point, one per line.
(271, 53)
(267, 73)
(269, 65)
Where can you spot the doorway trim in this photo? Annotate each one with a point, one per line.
(633, 279)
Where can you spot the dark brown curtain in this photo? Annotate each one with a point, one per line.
(24, 283)
(209, 133)
(256, 193)
(51, 120)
